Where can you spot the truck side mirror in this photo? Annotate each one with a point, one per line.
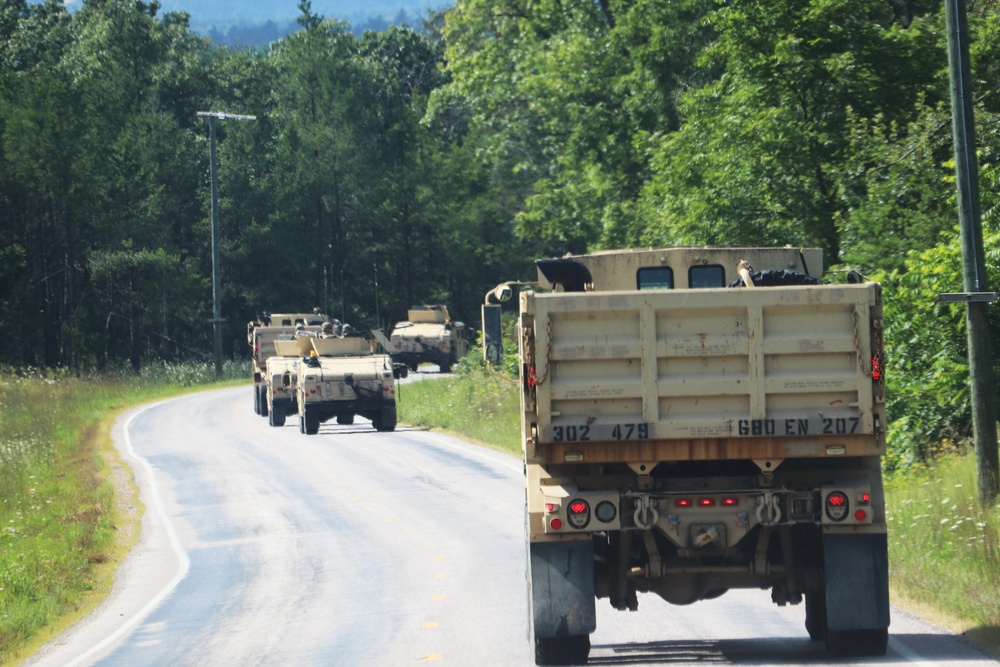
(492, 335)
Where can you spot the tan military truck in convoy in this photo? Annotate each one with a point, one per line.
(683, 437)
(281, 373)
(429, 336)
(261, 334)
(346, 376)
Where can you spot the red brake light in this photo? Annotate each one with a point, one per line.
(551, 507)
(876, 369)
(866, 497)
(730, 502)
(706, 502)
(683, 502)
(837, 506)
(861, 515)
(556, 523)
(578, 507)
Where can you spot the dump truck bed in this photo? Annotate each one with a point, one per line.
(670, 375)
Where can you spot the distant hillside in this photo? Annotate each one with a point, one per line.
(257, 22)
(223, 14)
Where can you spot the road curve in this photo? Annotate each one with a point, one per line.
(262, 546)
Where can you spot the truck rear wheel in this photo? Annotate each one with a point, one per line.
(572, 650)
(853, 601)
(345, 419)
(263, 400)
(816, 615)
(386, 420)
(276, 415)
(256, 400)
(308, 422)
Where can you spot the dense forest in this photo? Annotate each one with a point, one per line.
(409, 166)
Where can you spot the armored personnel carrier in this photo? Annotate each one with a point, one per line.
(429, 336)
(345, 376)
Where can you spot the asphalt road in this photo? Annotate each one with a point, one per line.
(263, 546)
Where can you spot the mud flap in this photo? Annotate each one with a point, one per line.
(561, 596)
(856, 570)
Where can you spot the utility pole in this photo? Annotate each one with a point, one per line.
(976, 296)
(216, 278)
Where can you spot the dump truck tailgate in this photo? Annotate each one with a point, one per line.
(701, 374)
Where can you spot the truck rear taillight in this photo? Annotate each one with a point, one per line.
(683, 502)
(551, 507)
(578, 513)
(837, 506)
(706, 502)
(556, 524)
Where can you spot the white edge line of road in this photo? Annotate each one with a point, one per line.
(473, 452)
(184, 562)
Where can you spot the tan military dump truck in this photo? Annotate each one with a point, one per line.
(261, 334)
(347, 376)
(683, 437)
(429, 336)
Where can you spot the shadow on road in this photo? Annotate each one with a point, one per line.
(931, 647)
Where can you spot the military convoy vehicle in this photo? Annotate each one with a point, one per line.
(346, 376)
(261, 334)
(683, 437)
(429, 336)
(281, 378)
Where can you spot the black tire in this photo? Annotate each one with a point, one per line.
(346, 420)
(263, 400)
(445, 368)
(572, 650)
(256, 400)
(311, 422)
(276, 416)
(816, 615)
(413, 366)
(856, 643)
(386, 421)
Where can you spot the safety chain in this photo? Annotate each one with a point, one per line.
(539, 379)
(866, 369)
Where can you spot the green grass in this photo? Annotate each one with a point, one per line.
(944, 548)
(57, 516)
(480, 406)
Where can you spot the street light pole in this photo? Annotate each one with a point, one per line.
(216, 277)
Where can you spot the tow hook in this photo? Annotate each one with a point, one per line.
(768, 510)
(646, 515)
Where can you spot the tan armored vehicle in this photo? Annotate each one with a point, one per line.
(683, 437)
(429, 337)
(261, 334)
(346, 376)
(281, 378)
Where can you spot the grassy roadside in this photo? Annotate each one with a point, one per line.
(944, 550)
(68, 510)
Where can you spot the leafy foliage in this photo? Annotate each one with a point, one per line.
(926, 354)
